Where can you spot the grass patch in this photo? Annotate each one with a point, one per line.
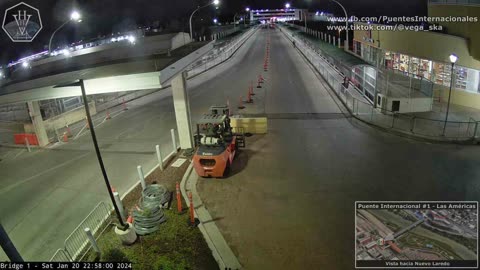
(175, 246)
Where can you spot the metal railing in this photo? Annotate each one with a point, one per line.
(454, 2)
(219, 55)
(365, 111)
(76, 245)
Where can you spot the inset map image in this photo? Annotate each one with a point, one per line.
(432, 234)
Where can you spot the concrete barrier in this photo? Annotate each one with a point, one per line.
(254, 125)
(69, 118)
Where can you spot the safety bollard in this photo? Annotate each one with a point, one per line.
(159, 157)
(65, 137)
(179, 198)
(92, 240)
(108, 117)
(141, 177)
(119, 204)
(27, 143)
(192, 214)
(174, 141)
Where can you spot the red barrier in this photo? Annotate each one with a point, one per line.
(22, 137)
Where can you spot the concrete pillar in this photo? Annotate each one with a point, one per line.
(334, 41)
(329, 39)
(339, 43)
(322, 36)
(182, 110)
(37, 121)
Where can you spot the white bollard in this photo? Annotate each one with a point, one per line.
(141, 177)
(28, 144)
(174, 141)
(159, 157)
(339, 43)
(92, 240)
(119, 204)
(333, 41)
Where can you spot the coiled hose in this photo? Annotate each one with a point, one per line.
(148, 217)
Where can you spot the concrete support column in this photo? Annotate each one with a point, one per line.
(329, 39)
(182, 110)
(321, 34)
(37, 121)
(339, 43)
(334, 41)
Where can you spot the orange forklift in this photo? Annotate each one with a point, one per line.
(216, 143)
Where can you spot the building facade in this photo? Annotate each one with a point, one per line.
(424, 54)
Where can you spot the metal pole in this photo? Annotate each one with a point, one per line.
(8, 246)
(51, 38)
(346, 21)
(123, 226)
(448, 103)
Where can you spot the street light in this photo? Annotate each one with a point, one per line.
(75, 17)
(453, 59)
(287, 5)
(122, 225)
(215, 21)
(346, 21)
(215, 2)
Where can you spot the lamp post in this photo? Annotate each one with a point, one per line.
(122, 226)
(214, 2)
(453, 59)
(245, 19)
(287, 5)
(346, 21)
(75, 17)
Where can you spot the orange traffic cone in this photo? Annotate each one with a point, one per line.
(65, 136)
(249, 97)
(240, 105)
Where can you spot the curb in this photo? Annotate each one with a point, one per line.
(221, 251)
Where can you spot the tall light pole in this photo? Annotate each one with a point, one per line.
(214, 2)
(346, 21)
(287, 6)
(75, 17)
(453, 59)
(245, 19)
(122, 225)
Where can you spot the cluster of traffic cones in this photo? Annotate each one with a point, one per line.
(267, 55)
(260, 79)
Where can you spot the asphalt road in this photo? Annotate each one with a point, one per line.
(289, 203)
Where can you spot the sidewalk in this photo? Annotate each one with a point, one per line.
(461, 120)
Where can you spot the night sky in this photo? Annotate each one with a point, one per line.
(107, 16)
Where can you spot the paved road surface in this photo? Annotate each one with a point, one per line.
(289, 203)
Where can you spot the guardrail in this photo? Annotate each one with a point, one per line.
(76, 245)
(219, 55)
(457, 131)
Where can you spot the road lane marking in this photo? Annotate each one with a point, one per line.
(18, 183)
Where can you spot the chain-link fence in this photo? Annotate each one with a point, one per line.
(359, 108)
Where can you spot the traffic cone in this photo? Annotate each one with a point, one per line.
(240, 105)
(124, 105)
(258, 84)
(250, 90)
(69, 131)
(65, 136)
(249, 97)
(113, 189)
(108, 115)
